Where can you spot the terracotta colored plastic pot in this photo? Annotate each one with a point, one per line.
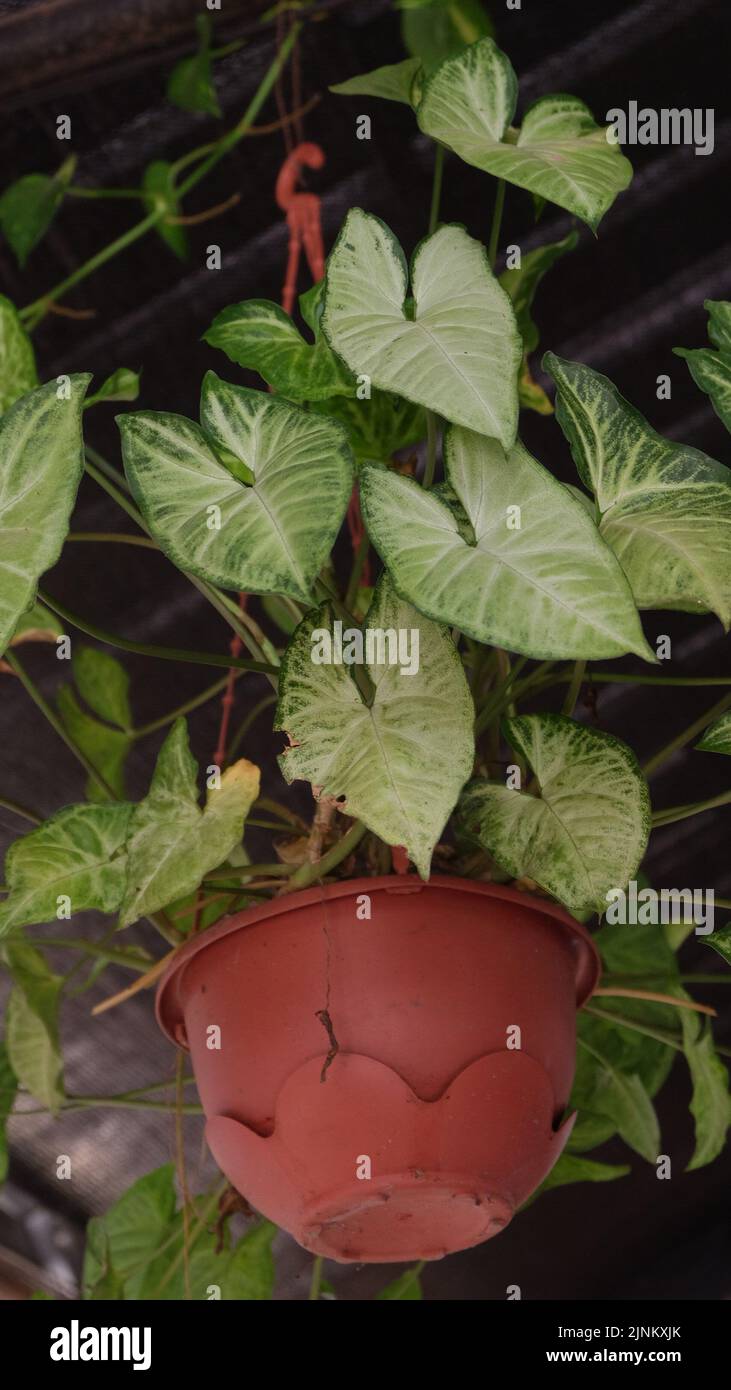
(392, 1086)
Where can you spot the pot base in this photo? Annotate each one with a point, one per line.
(404, 1217)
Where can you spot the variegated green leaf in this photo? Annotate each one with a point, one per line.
(585, 832)
(535, 576)
(41, 462)
(172, 843)
(394, 82)
(665, 508)
(710, 1105)
(271, 537)
(625, 1101)
(559, 153)
(377, 426)
(717, 738)
(398, 762)
(78, 854)
(32, 1024)
(459, 351)
(18, 373)
(259, 335)
(710, 368)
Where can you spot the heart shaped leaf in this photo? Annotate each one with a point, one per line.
(41, 461)
(18, 373)
(78, 853)
(587, 830)
(665, 508)
(458, 354)
(259, 335)
(394, 82)
(28, 207)
(400, 761)
(537, 578)
(559, 153)
(271, 537)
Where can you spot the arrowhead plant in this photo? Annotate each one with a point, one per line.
(425, 603)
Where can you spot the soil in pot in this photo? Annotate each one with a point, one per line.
(385, 1064)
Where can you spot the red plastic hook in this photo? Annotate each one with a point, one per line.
(303, 218)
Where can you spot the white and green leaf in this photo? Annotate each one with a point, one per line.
(78, 854)
(537, 578)
(710, 368)
(665, 508)
(587, 829)
(625, 1101)
(710, 1104)
(258, 335)
(41, 462)
(272, 536)
(172, 843)
(18, 373)
(398, 762)
(32, 1024)
(717, 737)
(459, 352)
(559, 153)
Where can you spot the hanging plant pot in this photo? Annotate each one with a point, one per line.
(385, 1063)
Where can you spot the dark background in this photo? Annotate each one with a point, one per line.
(620, 303)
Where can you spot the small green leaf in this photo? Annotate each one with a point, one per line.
(522, 282)
(172, 843)
(587, 830)
(394, 82)
(720, 941)
(127, 1237)
(32, 1024)
(105, 748)
(573, 1168)
(508, 584)
(711, 1102)
(190, 84)
(8, 1091)
(250, 1269)
(103, 682)
(38, 624)
(40, 443)
(665, 508)
(399, 762)
(717, 738)
(407, 1288)
(122, 385)
(28, 207)
(160, 197)
(559, 153)
(271, 537)
(459, 351)
(259, 335)
(18, 373)
(433, 30)
(626, 1103)
(78, 853)
(709, 368)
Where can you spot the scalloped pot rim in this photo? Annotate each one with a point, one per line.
(168, 1010)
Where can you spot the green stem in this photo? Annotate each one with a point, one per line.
(436, 189)
(246, 723)
(75, 191)
(33, 313)
(113, 538)
(309, 873)
(127, 958)
(359, 560)
(315, 1279)
(675, 813)
(19, 810)
(149, 649)
(497, 218)
(56, 724)
(572, 694)
(431, 449)
(195, 701)
(683, 738)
